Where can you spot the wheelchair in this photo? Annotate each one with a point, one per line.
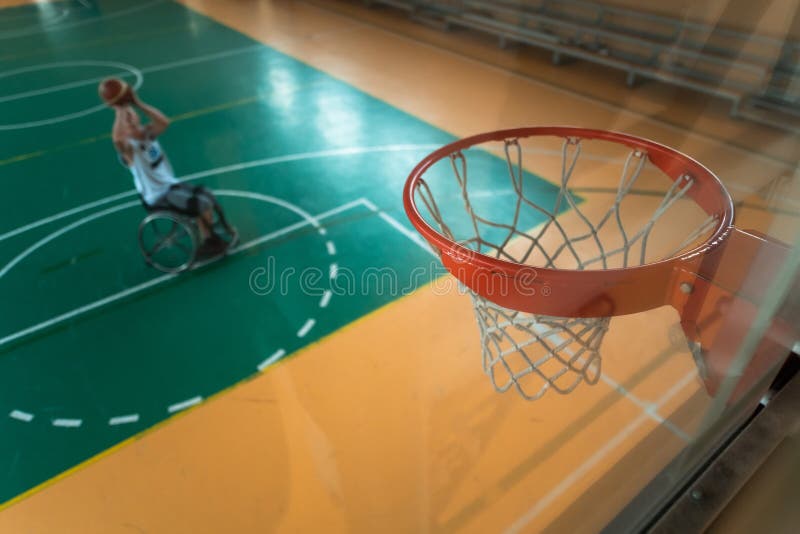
(170, 241)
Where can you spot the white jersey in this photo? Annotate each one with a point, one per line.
(152, 173)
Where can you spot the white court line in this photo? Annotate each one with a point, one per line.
(274, 357)
(195, 400)
(61, 87)
(269, 237)
(271, 200)
(61, 118)
(520, 524)
(221, 192)
(67, 423)
(127, 68)
(19, 415)
(63, 214)
(63, 230)
(221, 170)
(331, 248)
(59, 27)
(333, 270)
(204, 57)
(124, 419)
(339, 209)
(75, 63)
(178, 406)
(291, 227)
(163, 278)
(306, 328)
(83, 309)
(408, 233)
(413, 236)
(650, 409)
(326, 298)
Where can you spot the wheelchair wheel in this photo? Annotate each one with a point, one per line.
(168, 241)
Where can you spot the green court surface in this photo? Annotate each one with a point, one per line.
(95, 346)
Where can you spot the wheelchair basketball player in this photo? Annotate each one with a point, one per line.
(139, 150)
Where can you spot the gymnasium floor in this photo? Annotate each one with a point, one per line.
(207, 401)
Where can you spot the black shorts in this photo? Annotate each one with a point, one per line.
(185, 199)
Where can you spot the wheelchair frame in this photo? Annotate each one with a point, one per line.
(170, 241)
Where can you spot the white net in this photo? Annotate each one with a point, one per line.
(536, 353)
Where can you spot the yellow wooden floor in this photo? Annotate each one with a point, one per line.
(390, 425)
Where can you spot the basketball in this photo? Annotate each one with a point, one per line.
(114, 91)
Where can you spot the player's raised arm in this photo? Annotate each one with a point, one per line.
(158, 121)
(118, 136)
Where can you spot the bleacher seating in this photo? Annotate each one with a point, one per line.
(752, 72)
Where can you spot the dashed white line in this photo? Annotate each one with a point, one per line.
(19, 415)
(309, 324)
(307, 219)
(67, 423)
(277, 355)
(124, 419)
(306, 328)
(326, 298)
(185, 404)
(322, 231)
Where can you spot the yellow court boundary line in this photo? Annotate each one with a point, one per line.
(185, 116)
(171, 419)
(188, 115)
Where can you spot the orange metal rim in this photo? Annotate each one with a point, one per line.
(568, 293)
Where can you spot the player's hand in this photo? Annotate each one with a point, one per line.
(133, 97)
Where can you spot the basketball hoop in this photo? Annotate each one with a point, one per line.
(544, 291)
